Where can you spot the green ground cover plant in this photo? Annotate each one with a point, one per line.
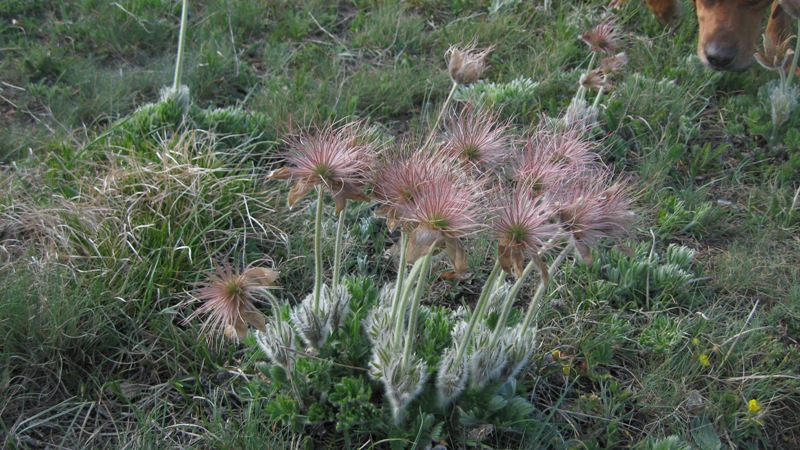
(127, 199)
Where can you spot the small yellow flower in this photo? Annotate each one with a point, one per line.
(704, 360)
(753, 406)
(695, 341)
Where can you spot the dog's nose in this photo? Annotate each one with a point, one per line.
(720, 56)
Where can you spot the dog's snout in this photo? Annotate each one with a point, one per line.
(720, 56)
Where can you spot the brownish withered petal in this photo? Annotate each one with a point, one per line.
(421, 241)
(457, 277)
(584, 251)
(347, 191)
(392, 221)
(261, 276)
(299, 190)
(456, 254)
(239, 328)
(255, 318)
(284, 173)
(543, 270)
(511, 258)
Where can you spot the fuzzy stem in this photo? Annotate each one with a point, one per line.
(509, 301)
(403, 303)
(337, 249)
(412, 315)
(793, 67)
(598, 98)
(181, 44)
(582, 90)
(401, 275)
(439, 117)
(477, 314)
(542, 288)
(318, 251)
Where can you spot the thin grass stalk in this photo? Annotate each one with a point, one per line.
(542, 288)
(181, 44)
(480, 307)
(318, 251)
(412, 315)
(439, 117)
(337, 249)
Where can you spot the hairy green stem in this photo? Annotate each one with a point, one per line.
(401, 275)
(318, 251)
(480, 308)
(509, 302)
(542, 288)
(411, 331)
(439, 117)
(598, 98)
(403, 303)
(181, 44)
(793, 67)
(337, 249)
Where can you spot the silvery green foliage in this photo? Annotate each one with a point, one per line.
(277, 341)
(486, 363)
(403, 383)
(314, 328)
(383, 356)
(180, 96)
(499, 6)
(497, 95)
(520, 345)
(579, 112)
(378, 323)
(336, 305)
(451, 379)
(784, 101)
(497, 298)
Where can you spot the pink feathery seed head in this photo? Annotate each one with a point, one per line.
(553, 156)
(445, 210)
(603, 38)
(595, 80)
(398, 178)
(335, 156)
(522, 222)
(448, 205)
(477, 138)
(593, 210)
(228, 297)
(613, 64)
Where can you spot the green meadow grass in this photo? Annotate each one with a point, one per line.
(115, 201)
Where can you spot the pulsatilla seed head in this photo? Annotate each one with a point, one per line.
(774, 55)
(228, 298)
(603, 38)
(466, 65)
(337, 157)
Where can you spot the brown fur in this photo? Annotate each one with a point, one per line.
(730, 30)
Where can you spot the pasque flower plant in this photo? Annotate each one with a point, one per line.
(540, 195)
